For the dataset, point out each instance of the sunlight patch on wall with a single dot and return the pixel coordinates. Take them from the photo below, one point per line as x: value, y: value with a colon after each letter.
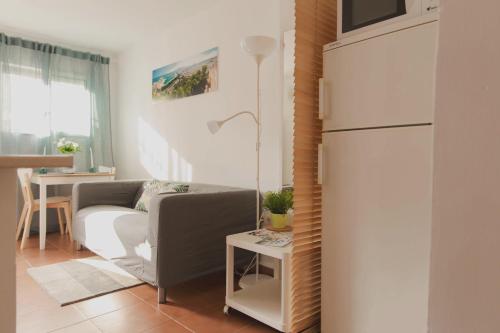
x: 153, y: 150
x: 159, y: 159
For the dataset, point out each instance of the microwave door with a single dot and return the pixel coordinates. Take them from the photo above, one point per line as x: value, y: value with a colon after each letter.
x: 357, y: 14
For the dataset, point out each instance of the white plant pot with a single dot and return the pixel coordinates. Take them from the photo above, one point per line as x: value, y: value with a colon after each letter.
x: 68, y: 170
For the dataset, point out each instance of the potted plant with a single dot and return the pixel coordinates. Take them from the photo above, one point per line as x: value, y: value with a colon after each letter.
x: 65, y: 146
x: 278, y: 203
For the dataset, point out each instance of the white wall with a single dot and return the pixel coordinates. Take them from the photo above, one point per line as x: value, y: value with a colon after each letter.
x: 465, y: 269
x: 169, y: 139
x: 288, y: 104
x: 288, y: 80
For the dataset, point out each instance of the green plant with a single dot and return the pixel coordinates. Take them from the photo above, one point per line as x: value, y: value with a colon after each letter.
x: 278, y: 202
x: 67, y: 147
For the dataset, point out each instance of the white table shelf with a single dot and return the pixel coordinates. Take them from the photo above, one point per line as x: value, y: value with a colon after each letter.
x: 268, y: 300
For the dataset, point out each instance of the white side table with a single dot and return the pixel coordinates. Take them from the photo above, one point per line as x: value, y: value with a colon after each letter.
x: 268, y: 301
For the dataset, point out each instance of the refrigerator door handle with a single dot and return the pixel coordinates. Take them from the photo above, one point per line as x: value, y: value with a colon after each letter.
x: 320, y: 164
x: 321, y: 94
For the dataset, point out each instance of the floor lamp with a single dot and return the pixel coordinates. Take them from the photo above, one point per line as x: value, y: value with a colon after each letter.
x: 258, y: 47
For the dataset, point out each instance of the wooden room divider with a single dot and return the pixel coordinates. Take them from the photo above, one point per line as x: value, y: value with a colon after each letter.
x: 315, y: 25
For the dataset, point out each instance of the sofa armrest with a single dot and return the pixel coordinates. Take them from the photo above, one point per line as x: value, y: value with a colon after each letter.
x: 190, y: 229
x: 116, y: 193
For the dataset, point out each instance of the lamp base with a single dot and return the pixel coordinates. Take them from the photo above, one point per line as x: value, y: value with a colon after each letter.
x: 250, y: 280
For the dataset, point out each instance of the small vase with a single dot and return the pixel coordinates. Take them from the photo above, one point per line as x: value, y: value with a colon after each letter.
x: 68, y: 170
x: 279, y: 221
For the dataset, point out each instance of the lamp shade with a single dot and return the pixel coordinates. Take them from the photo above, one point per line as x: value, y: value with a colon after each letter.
x: 258, y: 46
x: 214, y: 126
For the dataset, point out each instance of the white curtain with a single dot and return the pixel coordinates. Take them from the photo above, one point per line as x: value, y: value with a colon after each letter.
x: 48, y: 92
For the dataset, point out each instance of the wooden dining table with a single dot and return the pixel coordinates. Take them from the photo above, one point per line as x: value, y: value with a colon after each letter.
x: 51, y: 178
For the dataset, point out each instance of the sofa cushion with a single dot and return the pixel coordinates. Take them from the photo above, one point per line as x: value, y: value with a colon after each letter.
x: 112, y: 231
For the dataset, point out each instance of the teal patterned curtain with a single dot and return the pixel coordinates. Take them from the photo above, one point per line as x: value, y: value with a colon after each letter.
x: 49, y: 92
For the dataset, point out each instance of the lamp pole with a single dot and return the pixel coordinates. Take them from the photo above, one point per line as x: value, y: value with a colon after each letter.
x: 259, y: 47
x: 258, y: 145
x: 258, y: 60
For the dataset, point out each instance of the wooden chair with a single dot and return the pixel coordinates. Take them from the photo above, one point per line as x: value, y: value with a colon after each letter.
x: 31, y: 205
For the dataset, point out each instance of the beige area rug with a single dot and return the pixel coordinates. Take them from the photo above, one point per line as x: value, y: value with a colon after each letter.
x: 80, y: 279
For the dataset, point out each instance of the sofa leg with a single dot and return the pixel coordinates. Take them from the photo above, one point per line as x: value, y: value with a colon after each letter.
x: 78, y: 246
x: 162, y: 295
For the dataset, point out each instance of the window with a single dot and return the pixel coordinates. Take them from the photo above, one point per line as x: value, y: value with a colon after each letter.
x: 37, y: 108
x: 29, y: 101
x: 49, y: 92
x: 71, y: 108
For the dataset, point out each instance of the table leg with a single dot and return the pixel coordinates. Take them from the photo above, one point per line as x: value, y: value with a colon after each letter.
x: 229, y: 275
x: 229, y: 271
x: 43, y: 215
x: 276, y: 269
x: 285, y: 292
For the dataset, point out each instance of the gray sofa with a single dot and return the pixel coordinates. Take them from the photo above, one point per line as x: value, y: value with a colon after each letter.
x: 180, y: 238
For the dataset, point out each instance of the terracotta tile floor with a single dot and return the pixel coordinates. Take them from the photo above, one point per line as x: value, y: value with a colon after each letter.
x: 195, y: 306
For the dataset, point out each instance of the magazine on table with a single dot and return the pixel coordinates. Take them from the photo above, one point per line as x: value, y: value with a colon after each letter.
x: 272, y: 238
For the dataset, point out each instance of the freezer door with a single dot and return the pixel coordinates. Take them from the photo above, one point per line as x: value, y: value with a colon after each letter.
x: 383, y: 81
x: 376, y: 236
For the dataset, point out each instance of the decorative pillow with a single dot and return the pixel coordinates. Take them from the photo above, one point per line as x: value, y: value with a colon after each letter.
x: 181, y: 188
x: 138, y: 195
x: 155, y: 187
x: 175, y: 188
x: 149, y: 189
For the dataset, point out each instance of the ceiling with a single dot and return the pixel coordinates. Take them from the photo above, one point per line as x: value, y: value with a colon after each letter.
x: 107, y: 25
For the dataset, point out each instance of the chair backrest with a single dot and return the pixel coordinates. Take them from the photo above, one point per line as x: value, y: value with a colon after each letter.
x: 24, y: 176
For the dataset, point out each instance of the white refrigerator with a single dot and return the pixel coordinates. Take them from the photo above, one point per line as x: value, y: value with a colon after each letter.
x: 377, y: 104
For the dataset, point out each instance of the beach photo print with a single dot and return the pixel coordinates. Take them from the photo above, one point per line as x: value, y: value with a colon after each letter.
x: 192, y: 76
